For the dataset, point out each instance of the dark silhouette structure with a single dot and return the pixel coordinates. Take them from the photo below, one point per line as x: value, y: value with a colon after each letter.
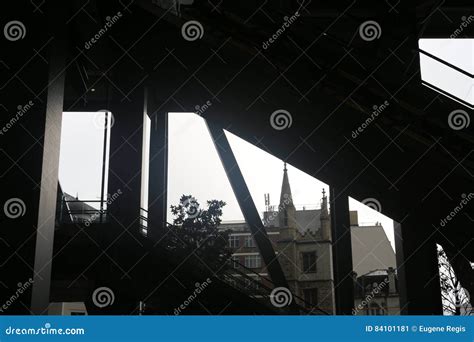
x: 253, y: 61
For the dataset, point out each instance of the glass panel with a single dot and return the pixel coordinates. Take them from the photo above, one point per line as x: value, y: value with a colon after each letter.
x: 448, y: 79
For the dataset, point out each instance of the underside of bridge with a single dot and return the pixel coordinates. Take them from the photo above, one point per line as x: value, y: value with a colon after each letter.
x: 309, y: 61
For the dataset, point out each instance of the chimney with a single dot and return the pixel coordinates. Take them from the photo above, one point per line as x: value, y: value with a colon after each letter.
x: 354, y: 218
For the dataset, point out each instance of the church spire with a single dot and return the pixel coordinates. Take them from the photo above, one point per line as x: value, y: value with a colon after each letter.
x: 285, y: 196
x: 287, y: 211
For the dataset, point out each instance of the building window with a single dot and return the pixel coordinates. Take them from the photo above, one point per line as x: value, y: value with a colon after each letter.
x: 249, y: 241
x: 253, y: 261
x: 233, y: 241
x: 310, y: 297
x: 235, y: 262
x: 309, y: 262
x: 376, y: 310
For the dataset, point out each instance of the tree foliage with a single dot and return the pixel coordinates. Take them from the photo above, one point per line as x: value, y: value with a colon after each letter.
x: 454, y: 297
x: 195, y: 230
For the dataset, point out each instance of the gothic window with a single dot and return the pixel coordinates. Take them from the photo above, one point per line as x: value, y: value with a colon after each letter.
x: 309, y: 262
x: 310, y: 297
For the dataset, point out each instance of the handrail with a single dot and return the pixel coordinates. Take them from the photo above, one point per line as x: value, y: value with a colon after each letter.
x: 82, y: 201
x: 251, y: 270
x: 260, y: 285
x: 263, y: 285
x: 89, y: 215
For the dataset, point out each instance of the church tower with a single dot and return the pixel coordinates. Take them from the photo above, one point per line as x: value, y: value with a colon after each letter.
x: 286, y: 208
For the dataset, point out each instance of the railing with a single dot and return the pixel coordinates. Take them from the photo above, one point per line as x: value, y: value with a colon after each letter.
x: 369, y: 224
x: 237, y: 270
x: 87, y: 215
x: 299, y: 207
x: 245, y: 280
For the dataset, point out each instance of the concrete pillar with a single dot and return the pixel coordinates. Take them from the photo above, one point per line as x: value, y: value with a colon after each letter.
x: 31, y: 96
x: 49, y: 182
x: 417, y: 263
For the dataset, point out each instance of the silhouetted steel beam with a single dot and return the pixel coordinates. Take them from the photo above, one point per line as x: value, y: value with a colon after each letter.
x: 342, y: 252
x: 158, y: 181
x: 247, y: 205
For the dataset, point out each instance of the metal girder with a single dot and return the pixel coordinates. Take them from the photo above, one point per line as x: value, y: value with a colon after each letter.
x: 342, y: 252
x: 249, y: 210
x: 158, y: 165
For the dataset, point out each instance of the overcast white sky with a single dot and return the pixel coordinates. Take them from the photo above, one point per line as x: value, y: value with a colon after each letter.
x: 80, y: 161
x: 194, y: 168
